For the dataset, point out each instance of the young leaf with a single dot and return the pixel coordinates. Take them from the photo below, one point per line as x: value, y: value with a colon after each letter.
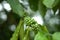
x: 16, y: 7
x: 50, y: 3
x: 40, y: 36
x: 56, y: 36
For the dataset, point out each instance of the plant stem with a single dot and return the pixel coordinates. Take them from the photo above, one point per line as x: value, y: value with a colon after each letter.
x: 15, y: 34
x: 21, y: 31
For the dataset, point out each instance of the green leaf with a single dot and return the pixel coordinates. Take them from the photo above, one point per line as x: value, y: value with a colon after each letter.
x: 40, y: 36
x: 16, y: 7
x: 50, y: 3
x: 33, y: 4
x: 42, y: 8
x: 56, y: 36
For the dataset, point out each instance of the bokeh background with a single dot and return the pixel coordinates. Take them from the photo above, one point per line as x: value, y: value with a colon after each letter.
x: 9, y: 20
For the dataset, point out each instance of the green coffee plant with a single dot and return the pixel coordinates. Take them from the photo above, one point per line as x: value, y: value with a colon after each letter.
x: 41, y: 32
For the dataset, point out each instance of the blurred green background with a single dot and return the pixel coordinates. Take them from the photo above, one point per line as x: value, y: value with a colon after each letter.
x: 9, y: 19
